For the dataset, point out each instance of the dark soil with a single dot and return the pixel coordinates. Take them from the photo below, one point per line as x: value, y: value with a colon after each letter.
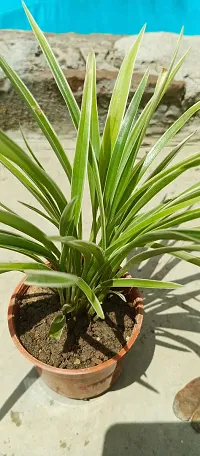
x: 84, y: 343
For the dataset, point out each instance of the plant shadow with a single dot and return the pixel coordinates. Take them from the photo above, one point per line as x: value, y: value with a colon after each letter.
x: 165, y: 311
x: 115, y: 312
x: 36, y: 306
x: 23, y: 386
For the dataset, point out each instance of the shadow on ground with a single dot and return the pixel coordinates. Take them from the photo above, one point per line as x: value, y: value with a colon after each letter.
x: 151, y: 439
x: 23, y: 386
x: 158, y: 327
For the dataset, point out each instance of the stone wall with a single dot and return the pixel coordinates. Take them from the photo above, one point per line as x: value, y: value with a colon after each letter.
x: 24, y: 55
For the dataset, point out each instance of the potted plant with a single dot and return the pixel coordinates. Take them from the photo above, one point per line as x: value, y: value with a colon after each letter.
x: 78, y: 312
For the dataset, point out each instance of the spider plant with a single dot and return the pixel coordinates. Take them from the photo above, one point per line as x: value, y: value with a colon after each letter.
x: 84, y: 271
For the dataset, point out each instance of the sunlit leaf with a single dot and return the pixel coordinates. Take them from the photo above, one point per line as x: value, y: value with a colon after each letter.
x: 117, y: 106
x: 57, y: 327
x: 82, y: 144
x: 51, y: 279
x: 143, y: 283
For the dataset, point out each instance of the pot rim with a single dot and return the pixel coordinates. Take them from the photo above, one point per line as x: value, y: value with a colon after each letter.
x: 22, y: 288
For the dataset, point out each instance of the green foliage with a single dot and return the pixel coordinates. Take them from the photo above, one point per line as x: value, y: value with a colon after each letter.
x: 57, y: 327
x: 85, y: 271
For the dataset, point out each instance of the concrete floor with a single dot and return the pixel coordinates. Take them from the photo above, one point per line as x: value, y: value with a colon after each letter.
x: 135, y: 418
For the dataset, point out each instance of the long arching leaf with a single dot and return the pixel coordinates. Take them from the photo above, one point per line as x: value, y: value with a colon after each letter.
x: 50, y: 209
x: 84, y: 247
x: 38, y: 114
x: 66, y: 217
x: 35, y: 209
x: 92, y: 298
x: 181, y: 255
x: 167, y: 136
x: 43, y: 181
x: 55, y: 68
x: 117, y: 107
x: 82, y: 144
x: 62, y: 280
x: 22, y: 245
x: 138, y: 258
x: 27, y: 228
x: 151, y: 188
x: 143, y: 283
x: 147, y: 223
x: 8, y: 267
x: 29, y: 148
x: 127, y: 123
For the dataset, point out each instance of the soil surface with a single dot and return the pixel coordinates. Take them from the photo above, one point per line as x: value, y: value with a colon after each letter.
x: 84, y: 343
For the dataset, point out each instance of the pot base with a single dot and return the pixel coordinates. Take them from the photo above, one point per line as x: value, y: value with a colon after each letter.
x: 80, y: 389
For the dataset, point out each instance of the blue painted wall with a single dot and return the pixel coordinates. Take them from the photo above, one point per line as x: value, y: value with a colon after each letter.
x: 104, y: 16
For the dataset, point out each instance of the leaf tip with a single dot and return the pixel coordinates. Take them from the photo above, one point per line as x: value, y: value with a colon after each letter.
x: 176, y: 285
x: 24, y: 5
x: 143, y: 29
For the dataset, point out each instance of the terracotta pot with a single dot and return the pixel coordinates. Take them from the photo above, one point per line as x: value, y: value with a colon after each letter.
x: 78, y: 383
